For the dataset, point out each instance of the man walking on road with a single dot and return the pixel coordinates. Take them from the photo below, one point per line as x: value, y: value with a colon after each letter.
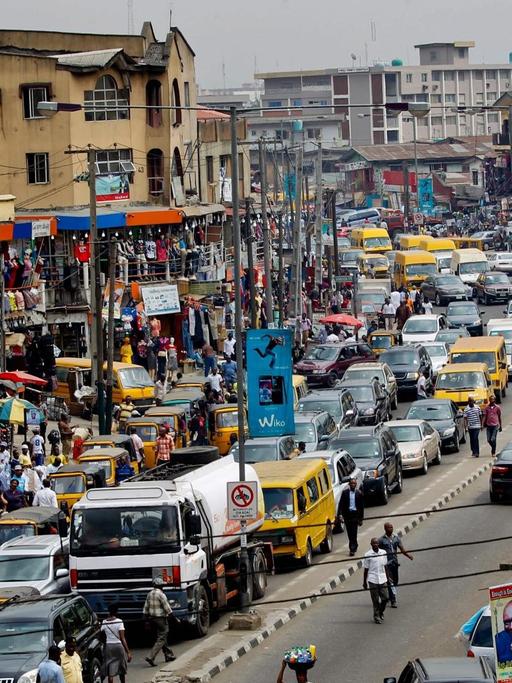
x: 473, y: 421
x: 376, y: 578
x: 352, y: 511
x: 392, y: 543
x: 157, y: 610
x: 492, y: 421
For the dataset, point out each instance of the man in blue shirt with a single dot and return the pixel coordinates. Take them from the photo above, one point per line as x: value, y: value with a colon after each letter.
x: 50, y: 670
x: 504, y: 638
x: 229, y: 371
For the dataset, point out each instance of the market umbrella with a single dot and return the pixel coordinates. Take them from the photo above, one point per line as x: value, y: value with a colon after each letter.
x: 341, y: 319
x: 13, y: 410
x: 23, y: 378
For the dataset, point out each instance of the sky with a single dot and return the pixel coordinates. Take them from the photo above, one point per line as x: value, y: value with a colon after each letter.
x: 233, y: 38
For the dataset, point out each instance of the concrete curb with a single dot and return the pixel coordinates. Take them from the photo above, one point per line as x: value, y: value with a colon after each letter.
x: 247, y: 643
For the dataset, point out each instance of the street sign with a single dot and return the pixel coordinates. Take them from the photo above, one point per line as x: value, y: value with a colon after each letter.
x: 418, y: 219
x: 242, y: 500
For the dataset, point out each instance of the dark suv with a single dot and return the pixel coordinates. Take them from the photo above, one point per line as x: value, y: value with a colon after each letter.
x: 372, y: 399
x: 34, y: 624
x: 446, y: 670
x: 339, y: 403
x: 326, y: 363
x: 375, y: 450
x: 407, y: 363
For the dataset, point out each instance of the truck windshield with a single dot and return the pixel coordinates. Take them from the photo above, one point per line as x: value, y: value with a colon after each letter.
x: 127, y: 530
x: 135, y: 378
x: 278, y: 503
x: 71, y: 484
x: 473, y: 267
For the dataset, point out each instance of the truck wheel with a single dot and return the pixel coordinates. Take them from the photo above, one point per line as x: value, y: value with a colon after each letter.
x: 202, y: 617
x: 307, y: 560
x: 327, y: 544
x: 259, y: 576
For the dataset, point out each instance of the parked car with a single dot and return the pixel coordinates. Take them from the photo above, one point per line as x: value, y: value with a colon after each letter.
x: 446, y: 670
x: 450, y: 336
x: 492, y: 287
x: 444, y: 287
x: 337, y: 402
x: 444, y: 416
x: 380, y: 371
x: 407, y: 363
x: 40, y: 562
x: 326, y: 363
x: 420, y: 328
x: 419, y: 443
x: 465, y: 314
x: 480, y: 642
x: 315, y: 430
x: 51, y: 620
x: 500, y: 260
x: 375, y: 450
x: 373, y: 401
x: 342, y: 468
x: 500, y: 481
x: 266, y: 448
x: 438, y: 354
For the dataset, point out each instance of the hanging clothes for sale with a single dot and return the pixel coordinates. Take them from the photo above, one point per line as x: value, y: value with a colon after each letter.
x: 198, y: 336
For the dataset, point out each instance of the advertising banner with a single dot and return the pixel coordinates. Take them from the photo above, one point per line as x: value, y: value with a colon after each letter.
x: 119, y: 287
x: 112, y: 188
x: 426, y: 193
x: 500, y: 601
x: 269, y: 382
x: 161, y: 300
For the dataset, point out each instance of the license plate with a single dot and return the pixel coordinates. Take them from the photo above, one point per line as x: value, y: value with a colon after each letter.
x: 459, y: 297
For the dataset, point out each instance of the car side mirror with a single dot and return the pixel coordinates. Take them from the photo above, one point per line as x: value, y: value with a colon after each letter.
x: 194, y: 525
x: 62, y: 526
x: 324, y: 438
x: 390, y: 679
x: 349, y: 413
x: 61, y: 573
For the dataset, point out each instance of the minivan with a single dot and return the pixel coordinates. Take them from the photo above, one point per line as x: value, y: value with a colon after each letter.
x: 326, y: 363
x: 488, y: 350
x: 371, y: 239
x: 468, y: 264
x: 299, y: 508
x: 413, y: 267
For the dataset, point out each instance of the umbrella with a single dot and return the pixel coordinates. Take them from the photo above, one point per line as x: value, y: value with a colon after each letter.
x: 342, y: 319
x: 23, y: 378
x: 13, y: 410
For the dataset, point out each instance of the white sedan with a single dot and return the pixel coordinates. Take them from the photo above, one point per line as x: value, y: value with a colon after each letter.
x: 422, y: 328
x: 501, y: 261
x: 419, y: 443
x: 438, y: 352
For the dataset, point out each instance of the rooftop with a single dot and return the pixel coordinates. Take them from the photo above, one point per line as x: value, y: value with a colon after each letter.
x: 458, y: 149
x: 456, y: 43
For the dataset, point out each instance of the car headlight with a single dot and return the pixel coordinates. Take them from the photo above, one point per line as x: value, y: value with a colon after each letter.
x: 173, y: 603
x: 488, y: 291
x: 29, y: 677
x: 371, y: 474
x: 412, y: 375
x: 369, y: 411
x: 476, y: 322
x: 287, y: 540
x: 449, y: 432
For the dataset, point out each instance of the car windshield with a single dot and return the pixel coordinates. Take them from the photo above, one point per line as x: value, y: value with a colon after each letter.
x: 507, y: 334
x: 278, y: 503
x: 420, y: 269
x: 422, y: 411
x: 227, y: 419
x: 381, y: 341
x: 374, y: 242
x: 135, y: 378
x: 461, y: 381
x: 322, y: 353
x: 405, y: 434
x: 463, y: 309
x: 365, y: 373
x: 496, y: 278
x: 102, y: 464
x: 378, y: 261
x: 350, y: 256
x: 145, y: 432
x: 256, y: 452
x: 130, y: 530
x: 332, y: 406
x: 451, y: 336
x: 445, y: 262
x: 304, y: 431
x: 447, y: 279
x: 475, y: 357
x: 24, y: 568
x: 24, y: 637
x: 401, y: 358
x: 362, y: 448
x: 371, y: 297
x: 435, y: 350
x: 473, y: 267
x: 420, y: 326
x: 68, y: 484
x: 361, y: 394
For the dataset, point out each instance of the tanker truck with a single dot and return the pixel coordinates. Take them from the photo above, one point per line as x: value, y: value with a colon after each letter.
x: 168, y: 522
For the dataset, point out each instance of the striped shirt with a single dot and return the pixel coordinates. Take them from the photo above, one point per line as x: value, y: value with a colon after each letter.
x: 472, y: 415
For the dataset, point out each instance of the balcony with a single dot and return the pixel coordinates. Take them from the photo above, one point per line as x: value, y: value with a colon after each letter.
x: 500, y: 140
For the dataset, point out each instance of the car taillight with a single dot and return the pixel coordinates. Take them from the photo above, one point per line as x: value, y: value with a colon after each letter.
x: 172, y: 575
x: 73, y: 578
x: 498, y: 469
x: 470, y: 653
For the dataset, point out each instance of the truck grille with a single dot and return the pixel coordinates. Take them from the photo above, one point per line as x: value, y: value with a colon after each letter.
x: 400, y: 375
x: 109, y: 574
x: 6, y: 680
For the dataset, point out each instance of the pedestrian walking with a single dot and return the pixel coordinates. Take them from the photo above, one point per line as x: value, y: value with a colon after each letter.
x: 301, y: 674
x: 492, y: 422
x: 402, y: 315
x: 117, y: 654
x: 126, y: 409
x: 392, y: 543
x: 71, y: 662
x: 305, y: 329
x: 352, y: 511
x: 45, y: 496
x: 375, y: 565
x: 66, y: 434
x: 421, y: 385
x: 157, y: 610
x: 50, y: 671
x: 164, y: 446
x: 473, y: 422
x: 388, y: 311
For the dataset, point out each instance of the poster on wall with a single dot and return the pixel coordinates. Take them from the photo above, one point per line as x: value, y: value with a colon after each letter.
x: 112, y: 188
x: 269, y: 382
x: 161, y: 300
x: 119, y: 287
x: 500, y: 602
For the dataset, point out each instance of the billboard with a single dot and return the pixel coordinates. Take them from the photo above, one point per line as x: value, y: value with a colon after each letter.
x: 500, y: 601
x: 161, y: 300
x: 112, y: 188
x: 426, y: 195
x: 269, y: 382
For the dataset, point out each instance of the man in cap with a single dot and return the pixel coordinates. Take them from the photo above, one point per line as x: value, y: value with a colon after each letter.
x: 157, y: 610
x: 24, y: 457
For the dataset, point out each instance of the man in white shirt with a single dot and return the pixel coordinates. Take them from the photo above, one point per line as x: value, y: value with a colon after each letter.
x: 395, y: 298
x: 421, y: 385
x: 376, y: 578
x: 332, y: 338
x: 46, y: 496
x: 138, y: 444
x: 37, y: 443
x: 388, y: 311
x: 214, y: 379
x: 229, y: 346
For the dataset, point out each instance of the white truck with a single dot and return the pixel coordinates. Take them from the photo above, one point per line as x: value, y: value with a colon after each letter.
x: 169, y: 522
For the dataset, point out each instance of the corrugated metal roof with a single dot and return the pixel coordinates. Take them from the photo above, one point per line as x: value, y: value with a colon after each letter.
x: 92, y: 59
x: 474, y: 147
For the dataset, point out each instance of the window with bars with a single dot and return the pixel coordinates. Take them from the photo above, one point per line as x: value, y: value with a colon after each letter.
x: 32, y: 95
x: 106, y: 102
x: 111, y: 161
x: 38, y: 168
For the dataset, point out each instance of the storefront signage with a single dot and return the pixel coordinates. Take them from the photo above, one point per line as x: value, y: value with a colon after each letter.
x: 161, y: 300
x: 41, y: 229
x: 269, y: 382
x: 500, y: 602
x: 112, y: 188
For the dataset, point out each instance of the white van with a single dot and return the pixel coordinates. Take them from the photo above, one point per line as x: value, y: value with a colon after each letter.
x: 468, y: 264
x: 503, y: 327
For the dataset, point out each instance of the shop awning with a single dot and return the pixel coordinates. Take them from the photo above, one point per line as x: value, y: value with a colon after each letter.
x: 201, y: 210
x: 80, y: 221
x: 153, y: 216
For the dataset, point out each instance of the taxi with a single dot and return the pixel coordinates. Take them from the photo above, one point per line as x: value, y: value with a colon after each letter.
x: 459, y: 381
x: 382, y: 340
x: 32, y: 521
x: 376, y: 265
x: 223, y: 426
x: 71, y: 481
x: 108, y: 459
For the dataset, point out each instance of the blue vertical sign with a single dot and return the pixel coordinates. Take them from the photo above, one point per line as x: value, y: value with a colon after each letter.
x: 426, y: 195
x: 269, y: 382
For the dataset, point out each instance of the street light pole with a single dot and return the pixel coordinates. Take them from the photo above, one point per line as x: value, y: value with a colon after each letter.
x: 415, y: 137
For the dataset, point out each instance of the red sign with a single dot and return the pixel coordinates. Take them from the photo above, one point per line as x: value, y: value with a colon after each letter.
x: 242, y: 496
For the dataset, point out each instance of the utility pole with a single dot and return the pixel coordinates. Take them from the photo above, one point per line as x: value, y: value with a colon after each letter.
x: 296, y: 278
x: 335, y: 238
x: 250, y: 261
x: 291, y: 218
x: 308, y: 233
x: 280, y: 284
x: 415, y: 133
x: 407, y: 207
x: 267, y: 246
x: 276, y: 172
x: 318, y: 218
x: 112, y: 256
x: 2, y: 314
